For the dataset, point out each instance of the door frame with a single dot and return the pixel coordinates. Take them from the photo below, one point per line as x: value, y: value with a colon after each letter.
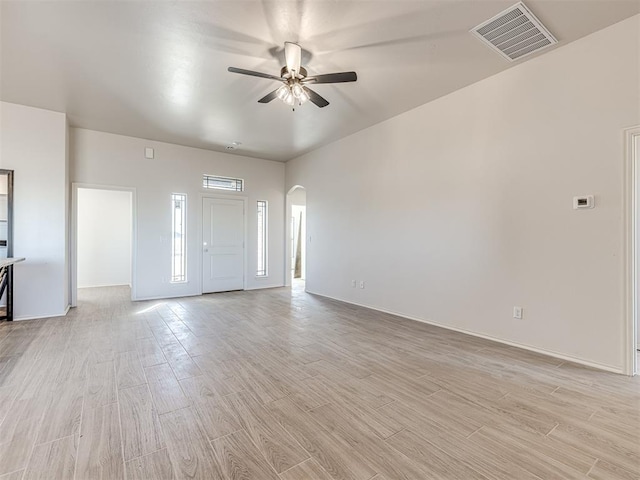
x: 73, y: 240
x: 199, y: 233
x: 632, y: 255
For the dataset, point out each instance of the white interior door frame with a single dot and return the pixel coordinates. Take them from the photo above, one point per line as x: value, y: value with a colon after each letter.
x: 632, y: 253
x: 199, y: 233
x: 73, y: 237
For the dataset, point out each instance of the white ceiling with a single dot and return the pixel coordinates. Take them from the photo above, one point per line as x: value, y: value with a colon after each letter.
x: 158, y: 69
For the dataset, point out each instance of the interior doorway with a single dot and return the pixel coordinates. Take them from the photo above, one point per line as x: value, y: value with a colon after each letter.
x: 636, y: 160
x: 103, y: 235
x: 297, y: 235
x: 6, y: 243
x: 632, y: 187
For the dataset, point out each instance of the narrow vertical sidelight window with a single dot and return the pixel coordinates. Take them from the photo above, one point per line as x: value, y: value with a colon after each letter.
x: 179, y: 238
x: 262, y: 239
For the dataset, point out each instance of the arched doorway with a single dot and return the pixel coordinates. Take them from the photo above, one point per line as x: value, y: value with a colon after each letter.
x: 296, y: 261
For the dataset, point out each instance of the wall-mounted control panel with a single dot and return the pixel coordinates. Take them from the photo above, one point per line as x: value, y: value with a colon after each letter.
x: 584, y: 201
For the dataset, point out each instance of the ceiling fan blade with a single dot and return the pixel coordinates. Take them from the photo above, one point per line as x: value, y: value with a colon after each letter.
x: 341, y: 77
x: 242, y: 71
x: 267, y: 98
x: 315, y: 98
x: 292, y: 56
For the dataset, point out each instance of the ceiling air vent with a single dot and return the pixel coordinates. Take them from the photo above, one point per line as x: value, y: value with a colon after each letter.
x: 515, y: 33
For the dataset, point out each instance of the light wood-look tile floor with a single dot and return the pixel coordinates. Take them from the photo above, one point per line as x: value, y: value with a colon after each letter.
x: 272, y: 385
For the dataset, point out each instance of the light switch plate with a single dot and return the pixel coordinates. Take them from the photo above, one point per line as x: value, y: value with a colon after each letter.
x: 584, y: 201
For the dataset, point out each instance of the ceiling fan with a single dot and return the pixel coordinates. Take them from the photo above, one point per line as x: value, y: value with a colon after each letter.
x: 294, y: 90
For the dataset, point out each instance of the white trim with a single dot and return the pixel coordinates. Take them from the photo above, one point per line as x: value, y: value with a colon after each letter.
x: 542, y: 351
x: 185, y: 256
x: 55, y: 315
x: 631, y: 190
x: 264, y: 287
x: 166, y: 297
x: 73, y: 240
x: 222, y: 196
x: 265, y: 232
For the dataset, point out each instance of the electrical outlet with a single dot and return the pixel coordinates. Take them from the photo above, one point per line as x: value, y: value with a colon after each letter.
x: 517, y: 312
x: 361, y: 283
x: 353, y: 283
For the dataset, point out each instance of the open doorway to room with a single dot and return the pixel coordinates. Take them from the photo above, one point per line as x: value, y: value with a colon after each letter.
x: 6, y: 244
x: 633, y: 165
x: 103, y: 244
x: 297, y: 245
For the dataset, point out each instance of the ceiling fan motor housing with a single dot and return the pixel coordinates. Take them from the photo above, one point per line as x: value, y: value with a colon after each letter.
x: 284, y: 73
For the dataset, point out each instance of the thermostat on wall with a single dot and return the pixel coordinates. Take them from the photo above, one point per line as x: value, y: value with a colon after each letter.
x: 148, y: 152
x: 585, y: 201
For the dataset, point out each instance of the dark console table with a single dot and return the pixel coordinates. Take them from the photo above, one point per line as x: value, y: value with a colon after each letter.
x: 6, y: 284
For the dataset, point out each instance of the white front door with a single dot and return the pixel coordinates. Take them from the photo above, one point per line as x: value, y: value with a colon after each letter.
x: 223, y: 245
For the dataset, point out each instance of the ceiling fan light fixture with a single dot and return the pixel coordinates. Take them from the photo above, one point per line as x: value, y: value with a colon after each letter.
x: 283, y: 92
x: 303, y: 98
x: 297, y: 90
x: 290, y: 99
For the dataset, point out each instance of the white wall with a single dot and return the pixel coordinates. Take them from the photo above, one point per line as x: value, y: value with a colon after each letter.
x: 104, y: 237
x: 458, y: 210
x: 116, y: 160
x: 32, y: 143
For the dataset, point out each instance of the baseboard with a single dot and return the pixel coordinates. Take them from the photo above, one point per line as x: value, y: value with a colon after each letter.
x: 165, y: 297
x: 263, y: 287
x: 38, y: 317
x: 549, y: 353
x: 107, y: 285
x: 142, y: 299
